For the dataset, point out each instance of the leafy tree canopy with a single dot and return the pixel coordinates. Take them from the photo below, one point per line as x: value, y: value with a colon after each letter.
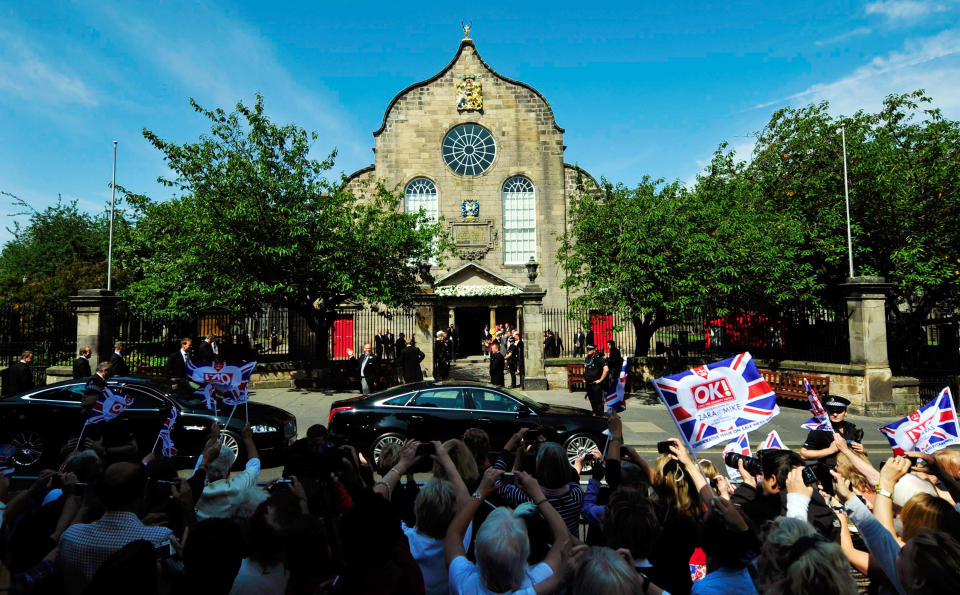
x: 59, y: 250
x: 254, y: 222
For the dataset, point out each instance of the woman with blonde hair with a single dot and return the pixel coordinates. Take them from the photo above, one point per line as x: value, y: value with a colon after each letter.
x: 463, y: 460
x: 924, y: 511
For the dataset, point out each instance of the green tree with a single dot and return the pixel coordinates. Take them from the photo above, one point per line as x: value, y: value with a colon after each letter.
x: 256, y: 223
x: 660, y: 253
x: 59, y: 250
x: 904, y: 170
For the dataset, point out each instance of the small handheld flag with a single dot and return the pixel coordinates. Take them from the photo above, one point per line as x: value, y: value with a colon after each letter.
x: 740, y: 446
x: 820, y: 419
x: 773, y: 441
x: 108, y: 406
x: 7, y: 465
x: 928, y: 429
x: 714, y: 403
x: 614, y: 399
x: 167, y: 449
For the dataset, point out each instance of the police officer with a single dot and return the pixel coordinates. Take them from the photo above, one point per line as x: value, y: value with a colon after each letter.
x: 820, y: 446
x: 595, y: 371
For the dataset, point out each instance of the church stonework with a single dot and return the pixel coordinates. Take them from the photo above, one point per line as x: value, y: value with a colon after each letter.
x: 419, y: 138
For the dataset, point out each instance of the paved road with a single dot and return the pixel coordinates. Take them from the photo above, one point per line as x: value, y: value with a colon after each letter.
x: 645, y: 421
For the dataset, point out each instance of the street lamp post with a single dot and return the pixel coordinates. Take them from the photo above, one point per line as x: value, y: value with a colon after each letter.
x: 113, y: 194
x: 846, y: 194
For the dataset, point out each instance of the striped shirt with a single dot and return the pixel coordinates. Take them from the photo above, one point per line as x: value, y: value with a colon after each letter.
x: 567, y: 500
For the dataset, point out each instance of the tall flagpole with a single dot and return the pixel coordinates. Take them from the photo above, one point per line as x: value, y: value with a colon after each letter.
x: 113, y: 194
x: 846, y: 194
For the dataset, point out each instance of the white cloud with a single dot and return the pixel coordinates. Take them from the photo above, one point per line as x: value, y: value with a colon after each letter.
x: 931, y: 63
x: 901, y: 10
x: 859, y: 31
x: 228, y: 62
x: 24, y: 73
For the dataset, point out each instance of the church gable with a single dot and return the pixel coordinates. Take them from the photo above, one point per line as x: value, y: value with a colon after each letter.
x: 467, y: 85
x: 474, y: 275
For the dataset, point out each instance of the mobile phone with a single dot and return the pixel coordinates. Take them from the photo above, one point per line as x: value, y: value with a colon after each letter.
x: 426, y: 449
x: 531, y: 436
x: 809, y: 476
x: 509, y: 478
x: 663, y: 447
x: 163, y: 550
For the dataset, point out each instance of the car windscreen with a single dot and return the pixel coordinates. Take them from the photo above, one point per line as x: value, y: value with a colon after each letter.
x: 524, y: 399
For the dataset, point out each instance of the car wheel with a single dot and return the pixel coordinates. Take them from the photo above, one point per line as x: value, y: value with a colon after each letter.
x: 232, y: 441
x: 382, y: 442
x: 579, y: 444
x: 30, y: 448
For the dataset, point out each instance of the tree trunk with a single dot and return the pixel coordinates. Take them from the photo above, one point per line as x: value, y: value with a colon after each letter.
x: 318, y: 321
x: 644, y: 326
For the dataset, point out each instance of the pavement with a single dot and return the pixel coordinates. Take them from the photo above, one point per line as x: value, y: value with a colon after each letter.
x: 645, y: 421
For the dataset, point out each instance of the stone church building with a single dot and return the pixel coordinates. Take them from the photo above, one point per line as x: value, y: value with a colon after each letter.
x: 485, y: 153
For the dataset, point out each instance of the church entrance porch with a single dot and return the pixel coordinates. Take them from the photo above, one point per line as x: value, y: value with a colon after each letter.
x: 470, y: 320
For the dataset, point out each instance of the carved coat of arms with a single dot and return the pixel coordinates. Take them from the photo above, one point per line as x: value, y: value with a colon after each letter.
x: 469, y: 94
x: 470, y: 209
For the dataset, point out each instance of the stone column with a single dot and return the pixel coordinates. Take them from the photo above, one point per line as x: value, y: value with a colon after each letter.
x: 95, y: 322
x: 867, y: 325
x: 493, y: 319
x: 532, y: 317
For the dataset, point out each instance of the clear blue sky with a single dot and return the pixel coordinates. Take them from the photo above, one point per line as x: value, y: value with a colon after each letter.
x: 639, y: 89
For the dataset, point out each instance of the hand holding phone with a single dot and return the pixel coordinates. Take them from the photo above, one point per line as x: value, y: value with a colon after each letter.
x: 425, y: 449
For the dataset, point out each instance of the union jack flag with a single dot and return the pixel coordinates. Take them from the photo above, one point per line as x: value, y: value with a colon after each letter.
x: 713, y: 403
x: 740, y: 446
x: 614, y: 399
x: 773, y: 441
x: 108, y: 406
x: 232, y: 381
x: 167, y: 448
x: 928, y: 429
x: 820, y: 419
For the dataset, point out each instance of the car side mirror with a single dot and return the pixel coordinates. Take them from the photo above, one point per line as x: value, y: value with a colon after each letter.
x: 523, y: 411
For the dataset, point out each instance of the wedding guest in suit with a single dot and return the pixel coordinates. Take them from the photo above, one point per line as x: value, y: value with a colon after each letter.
x: 177, y: 362
x: 579, y: 340
x: 410, y: 358
x: 19, y: 375
x: 378, y: 341
x: 208, y: 350
x: 496, y: 365
x: 485, y: 340
x: 81, y: 365
x: 118, y: 364
x: 367, y: 366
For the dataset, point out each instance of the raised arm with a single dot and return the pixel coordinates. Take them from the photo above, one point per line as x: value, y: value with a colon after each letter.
x: 405, y: 461
x: 453, y: 542
x: 862, y: 466
x: 453, y: 476
x: 679, y: 452
x: 893, y: 470
x: 561, y: 535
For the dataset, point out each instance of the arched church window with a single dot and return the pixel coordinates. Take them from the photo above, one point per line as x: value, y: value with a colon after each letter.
x: 469, y: 149
x: 519, y: 221
x: 421, y: 194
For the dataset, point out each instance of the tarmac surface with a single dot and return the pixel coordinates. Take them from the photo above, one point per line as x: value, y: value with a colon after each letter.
x: 645, y: 421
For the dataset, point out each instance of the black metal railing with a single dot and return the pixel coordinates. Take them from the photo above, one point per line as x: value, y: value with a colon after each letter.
x: 50, y: 334
x: 811, y: 334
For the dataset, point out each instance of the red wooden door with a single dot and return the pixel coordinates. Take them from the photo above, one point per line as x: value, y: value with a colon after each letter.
x: 602, y: 325
x: 342, y: 335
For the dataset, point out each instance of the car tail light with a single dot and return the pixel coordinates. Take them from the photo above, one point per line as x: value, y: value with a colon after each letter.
x: 336, y: 411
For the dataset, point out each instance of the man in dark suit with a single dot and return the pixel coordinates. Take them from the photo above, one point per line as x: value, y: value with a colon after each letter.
x: 367, y: 366
x: 378, y: 340
x: 496, y: 365
x: 520, y: 362
x: 579, y: 340
x: 98, y: 381
x: 81, y: 365
x: 118, y: 365
x: 589, y: 339
x: 410, y: 358
x: 19, y: 375
x: 208, y: 350
x: 177, y: 362
x: 390, y: 344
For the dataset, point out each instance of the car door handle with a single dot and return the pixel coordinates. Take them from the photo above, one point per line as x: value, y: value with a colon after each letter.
x: 416, y: 418
x: 484, y: 420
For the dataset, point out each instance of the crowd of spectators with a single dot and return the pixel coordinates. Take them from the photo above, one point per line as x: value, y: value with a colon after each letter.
x: 513, y: 520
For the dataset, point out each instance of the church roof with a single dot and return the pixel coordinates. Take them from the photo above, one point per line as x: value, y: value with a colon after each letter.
x: 463, y: 44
